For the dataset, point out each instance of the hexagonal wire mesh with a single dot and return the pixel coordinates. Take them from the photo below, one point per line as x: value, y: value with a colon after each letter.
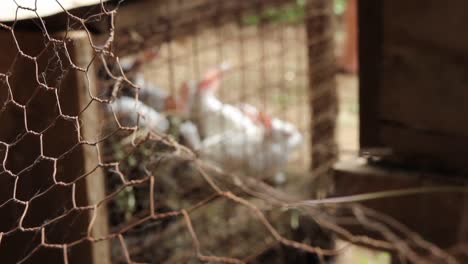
x: 193, y: 149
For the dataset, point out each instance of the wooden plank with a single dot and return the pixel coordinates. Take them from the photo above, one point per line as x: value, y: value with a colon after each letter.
x: 62, y: 21
x: 421, y: 213
x: 322, y: 86
x: 426, y: 59
x: 370, y: 21
x: 424, y: 149
x: 429, y: 23
x: 44, y: 8
x: 423, y: 87
x: 163, y: 20
x: 412, y: 87
x: 82, y: 53
x: 50, y: 138
x: 463, y: 228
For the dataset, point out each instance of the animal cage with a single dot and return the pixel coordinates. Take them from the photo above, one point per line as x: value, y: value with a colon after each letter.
x: 267, y: 70
x: 150, y: 123
x: 264, y: 45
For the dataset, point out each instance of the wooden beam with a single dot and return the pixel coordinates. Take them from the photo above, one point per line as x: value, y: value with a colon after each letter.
x: 91, y: 119
x: 161, y: 20
x: 421, y: 212
x: 43, y: 146
x: 164, y: 20
x: 412, y: 82
x: 322, y: 86
x: 370, y: 23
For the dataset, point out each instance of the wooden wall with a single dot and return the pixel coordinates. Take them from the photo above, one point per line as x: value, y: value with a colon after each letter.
x: 42, y: 147
x: 414, y: 65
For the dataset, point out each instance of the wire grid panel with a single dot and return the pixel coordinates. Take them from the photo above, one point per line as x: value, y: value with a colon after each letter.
x: 82, y: 184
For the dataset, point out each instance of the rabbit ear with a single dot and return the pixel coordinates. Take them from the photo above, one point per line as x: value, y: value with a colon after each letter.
x: 184, y: 95
x: 212, y: 79
x: 250, y: 111
x: 257, y: 116
x: 146, y: 56
x: 184, y: 91
x: 171, y: 103
x: 265, y: 120
x: 150, y: 55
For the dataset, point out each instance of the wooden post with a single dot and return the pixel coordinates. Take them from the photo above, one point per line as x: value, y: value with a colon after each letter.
x: 322, y: 95
x: 463, y: 228
x: 370, y: 21
x: 91, y: 119
x: 40, y: 145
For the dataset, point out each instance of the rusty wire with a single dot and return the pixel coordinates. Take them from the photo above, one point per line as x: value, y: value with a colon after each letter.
x: 253, y: 195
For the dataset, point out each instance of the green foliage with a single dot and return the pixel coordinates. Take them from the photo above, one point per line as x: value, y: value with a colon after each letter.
x: 290, y: 14
x: 283, y: 100
x: 340, y: 6
x: 294, y: 219
x: 384, y: 257
x: 126, y: 202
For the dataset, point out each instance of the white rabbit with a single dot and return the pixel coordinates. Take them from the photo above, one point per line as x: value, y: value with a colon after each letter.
x: 190, y: 135
x: 210, y: 114
x: 263, y: 154
x: 127, y: 110
x: 150, y: 94
x: 131, y: 66
x: 234, y: 151
x: 277, y: 130
x: 283, y: 139
x: 237, y: 137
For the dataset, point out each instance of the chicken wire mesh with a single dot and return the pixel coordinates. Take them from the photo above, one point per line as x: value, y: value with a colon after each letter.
x: 109, y: 158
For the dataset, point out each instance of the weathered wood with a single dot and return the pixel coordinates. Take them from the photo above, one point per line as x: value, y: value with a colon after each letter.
x: 165, y: 20
x: 413, y: 81
x: 437, y: 217
x: 370, y: 62
x: 91, y: 119
x: 51, y: 136
x: 463, y: 229
x: 161, y: 20
x: 322, y: 87
x: 424, y: 149
x: 11, y: 9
